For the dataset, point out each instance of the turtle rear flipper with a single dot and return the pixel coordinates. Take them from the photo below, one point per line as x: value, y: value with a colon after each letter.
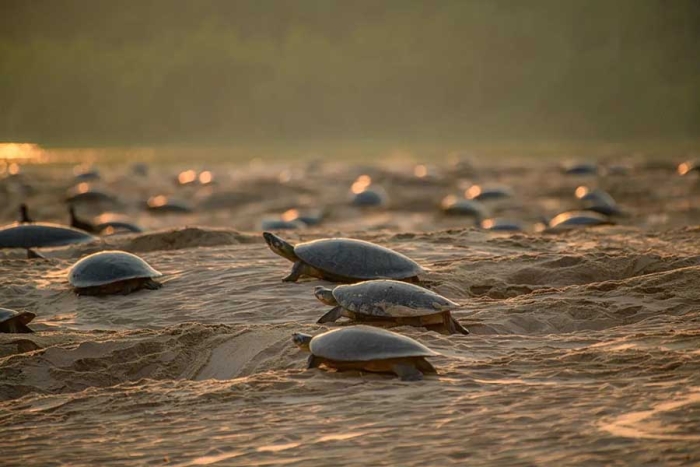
x: 407, y: 372
x: 453, y: 326
x: 425, y: 366
x: 32, y: 254
x: 332, y: 316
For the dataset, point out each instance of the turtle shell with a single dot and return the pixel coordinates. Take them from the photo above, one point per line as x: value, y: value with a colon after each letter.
x: 578, y: 218
x: 454, y: 206
x: 392, y: 299
x: 356, y: 259
x: 41, y: 235
x: 364, y: 343
x: 108, y: 267
x: 25, y: 317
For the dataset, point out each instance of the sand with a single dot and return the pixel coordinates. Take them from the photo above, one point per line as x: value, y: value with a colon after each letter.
x: 584, y: 345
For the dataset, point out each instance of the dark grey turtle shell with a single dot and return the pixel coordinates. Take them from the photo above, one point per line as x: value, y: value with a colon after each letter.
x: 364, y: 343
x: 369, y: 197
x: 580, y: 168
x: 454, y: 206
x: 498, y: 224
x: 578, y: 218
x: 486, y: 193
x: 108, y: 267
x: 41, y: 235
x: 167, y: 206
x: 356, y: 259
x: 391, y: 299
x: 75, y: 196
x: 25, y: 317
x: 121, y: 226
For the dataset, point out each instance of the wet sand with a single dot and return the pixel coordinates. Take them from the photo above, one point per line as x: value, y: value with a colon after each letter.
x: 584, y: 345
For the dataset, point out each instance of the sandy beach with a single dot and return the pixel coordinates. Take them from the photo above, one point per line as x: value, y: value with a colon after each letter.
x: 584, y: 345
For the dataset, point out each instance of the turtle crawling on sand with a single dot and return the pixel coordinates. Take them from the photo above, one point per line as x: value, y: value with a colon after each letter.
x: 365, y: 348
x: 387, y: 302
x: 112, y: 272
x: 343, y: 260
x: 15, y: 322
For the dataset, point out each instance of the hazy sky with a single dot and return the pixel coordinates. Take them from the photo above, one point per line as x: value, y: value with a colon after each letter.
x: 81, y: 72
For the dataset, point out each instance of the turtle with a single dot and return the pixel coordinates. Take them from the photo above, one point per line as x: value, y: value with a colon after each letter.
x: 14, y: 321
x: 85, y: 193
x: 367, y: 348
x: 343, y: 260
x: 580, y: 168
x: 162, y: 204
x: 572, y: 219
x: 499, y: 224
x: 369, y: 198
x: 41, y: 234
x: 597, y: 200
x: 390, y: 302
x: 488, y: 193
x: 112, y: 272
x: 453, y: 206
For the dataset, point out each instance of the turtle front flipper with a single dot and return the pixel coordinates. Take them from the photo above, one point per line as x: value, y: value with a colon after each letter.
x: 313, y: 362
x: 458, y: 328
x: 452, y: 325
x: 407, y: 372
x: 332, y: 316
x: 150, y: 284
x: 298, y: 270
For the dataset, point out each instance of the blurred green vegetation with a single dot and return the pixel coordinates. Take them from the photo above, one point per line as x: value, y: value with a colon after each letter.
x: 105, y: 72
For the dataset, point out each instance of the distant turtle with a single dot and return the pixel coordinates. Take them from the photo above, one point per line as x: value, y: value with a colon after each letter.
x: 116, y: 227
x: 573, y: 219
x: 453, y: 206
x: 106, y: 227
x: 390, y: 302
x: 580, y: 168
x: 89, y: 175
x: 112, y: 272
x: 370, y: 197
x: 15, y: 322
x: 39, y: 235
x: 488, y: 193
x: 498, y: 224
x: 84, y: 193
x: 365, y: 348
x: 162, y: 204
x: 343, y: 260
x: 597, y: 200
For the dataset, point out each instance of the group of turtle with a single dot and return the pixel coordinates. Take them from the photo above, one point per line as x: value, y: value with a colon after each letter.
x: 382, y: 293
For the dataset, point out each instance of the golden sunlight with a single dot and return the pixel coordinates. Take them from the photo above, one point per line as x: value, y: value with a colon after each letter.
x: 20, y: 151
x: 290, y: 215
x: 205, y: 177
x: 362, y: 182
x: 473, y: 192
x: 157, y: 201
x: 420, y: 171
x: 188, y: 176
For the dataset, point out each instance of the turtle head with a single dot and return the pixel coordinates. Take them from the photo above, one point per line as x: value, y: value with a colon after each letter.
x: 279, y: 246
x: 301, y: 340
x: 325, y: 295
